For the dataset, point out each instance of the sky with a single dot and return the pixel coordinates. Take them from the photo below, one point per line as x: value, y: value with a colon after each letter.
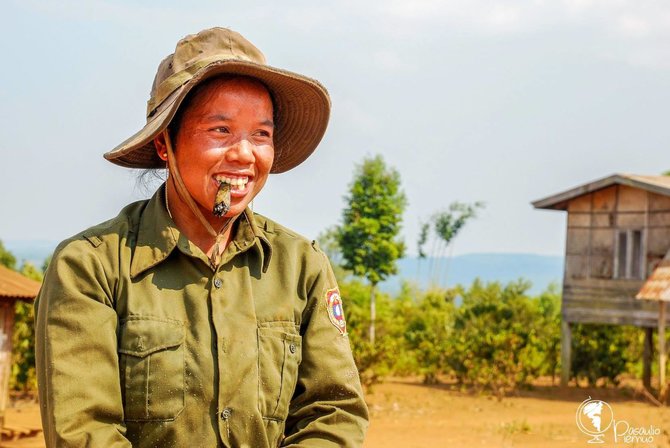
x: 504, y: 102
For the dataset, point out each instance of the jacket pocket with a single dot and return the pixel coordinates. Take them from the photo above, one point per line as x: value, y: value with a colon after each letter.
x: 279, y: 356
x: 152, y: 368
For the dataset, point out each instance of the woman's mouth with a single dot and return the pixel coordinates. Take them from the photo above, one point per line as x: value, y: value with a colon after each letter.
x: 237, y: 183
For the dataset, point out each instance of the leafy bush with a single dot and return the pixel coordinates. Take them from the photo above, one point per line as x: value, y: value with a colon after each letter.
x: 497, y: 343
x: 429, y: 328
x: 23, y: 376
x: 496, y: 339
x: 373, y: 360
x: 603, y: 352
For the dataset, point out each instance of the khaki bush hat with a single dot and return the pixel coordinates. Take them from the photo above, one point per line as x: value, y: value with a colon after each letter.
x: 302, y: 104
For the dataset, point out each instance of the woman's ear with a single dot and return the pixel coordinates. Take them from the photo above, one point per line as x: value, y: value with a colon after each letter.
x: 161, y: 147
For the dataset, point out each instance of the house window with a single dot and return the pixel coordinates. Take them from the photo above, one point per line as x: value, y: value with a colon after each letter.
x: 629, y: 254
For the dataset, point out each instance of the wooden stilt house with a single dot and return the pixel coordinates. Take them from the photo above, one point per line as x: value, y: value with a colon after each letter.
x: 618, y: 232
x: 13, y: 287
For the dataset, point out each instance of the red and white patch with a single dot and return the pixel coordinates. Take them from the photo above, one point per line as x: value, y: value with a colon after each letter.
x: 335, y: 310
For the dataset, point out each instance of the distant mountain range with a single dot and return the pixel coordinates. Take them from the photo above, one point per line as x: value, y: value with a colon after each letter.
x: 540, y: 270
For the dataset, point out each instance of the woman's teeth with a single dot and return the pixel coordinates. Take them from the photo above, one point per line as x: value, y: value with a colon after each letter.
x: 237, y: 183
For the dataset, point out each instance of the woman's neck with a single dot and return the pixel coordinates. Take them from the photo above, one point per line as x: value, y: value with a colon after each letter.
x: 190, y: 225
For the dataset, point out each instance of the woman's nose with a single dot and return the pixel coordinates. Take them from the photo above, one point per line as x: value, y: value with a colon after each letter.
x: 242, y: 152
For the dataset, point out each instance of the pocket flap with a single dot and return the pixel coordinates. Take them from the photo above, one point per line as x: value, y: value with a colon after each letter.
x: 143, y: 336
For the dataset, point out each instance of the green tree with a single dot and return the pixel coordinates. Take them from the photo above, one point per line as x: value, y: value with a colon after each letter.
x: 23, y: 356
x: 6, y: 257
x: 447, y: 225
x: 420, y: 245
x: 368, y: 236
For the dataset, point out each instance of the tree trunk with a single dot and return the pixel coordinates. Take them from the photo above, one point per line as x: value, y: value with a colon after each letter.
x: 373, y: 313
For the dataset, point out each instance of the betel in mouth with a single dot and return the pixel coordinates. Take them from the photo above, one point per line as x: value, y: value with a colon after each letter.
x: 222, y: 198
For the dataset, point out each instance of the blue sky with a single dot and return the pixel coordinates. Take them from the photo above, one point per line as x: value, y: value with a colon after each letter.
x: 503, y: 102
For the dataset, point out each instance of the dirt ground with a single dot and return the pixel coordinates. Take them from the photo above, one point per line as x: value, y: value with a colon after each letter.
x: 408, y: 414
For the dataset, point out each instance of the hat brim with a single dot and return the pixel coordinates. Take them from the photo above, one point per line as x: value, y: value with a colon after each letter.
x: 302, y: 110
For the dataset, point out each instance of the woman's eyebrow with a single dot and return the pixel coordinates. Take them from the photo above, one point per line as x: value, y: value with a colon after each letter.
x: 217, y: 117
x: 221, y: 117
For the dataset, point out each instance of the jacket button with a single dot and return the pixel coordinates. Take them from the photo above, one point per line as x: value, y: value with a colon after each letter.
x: 217, y: 283
x: 291, y: 347
x: 225, y: 414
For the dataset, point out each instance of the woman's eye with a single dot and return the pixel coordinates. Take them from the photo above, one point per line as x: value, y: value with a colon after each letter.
x: 263, y: 134
x: 221, y: 129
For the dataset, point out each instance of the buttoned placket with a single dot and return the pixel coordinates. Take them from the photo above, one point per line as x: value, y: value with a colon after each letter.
x: 227, y: 305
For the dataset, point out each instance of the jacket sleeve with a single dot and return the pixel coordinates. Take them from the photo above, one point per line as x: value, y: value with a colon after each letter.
x: 76, y: 358
x: 328, y: 408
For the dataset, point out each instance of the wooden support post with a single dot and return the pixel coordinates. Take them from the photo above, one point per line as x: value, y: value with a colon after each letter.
x: 662, y: 355
x: 566, y: 351
x: 647, y: 355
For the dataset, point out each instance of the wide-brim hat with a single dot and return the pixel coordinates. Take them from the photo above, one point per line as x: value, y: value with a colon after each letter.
x: 302, y: 104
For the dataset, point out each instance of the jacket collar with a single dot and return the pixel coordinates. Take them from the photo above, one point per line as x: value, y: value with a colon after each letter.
x: 157, y: 236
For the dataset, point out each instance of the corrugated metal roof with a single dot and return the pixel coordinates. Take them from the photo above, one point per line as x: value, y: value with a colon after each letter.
x: 16, y: 286
x: 656, y: 184
x: 657, y: 286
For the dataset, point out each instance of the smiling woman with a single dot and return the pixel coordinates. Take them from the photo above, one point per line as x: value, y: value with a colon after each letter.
x: 215, y: 149
x: 189, y: 320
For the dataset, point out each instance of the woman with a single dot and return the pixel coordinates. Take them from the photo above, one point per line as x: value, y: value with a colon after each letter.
x: 188, y: 320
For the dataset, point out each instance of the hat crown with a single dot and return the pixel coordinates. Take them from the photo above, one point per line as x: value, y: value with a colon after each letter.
x: 194, y: 52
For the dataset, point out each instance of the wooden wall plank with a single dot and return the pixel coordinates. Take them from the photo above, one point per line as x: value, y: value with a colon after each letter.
x: 605, y: 199
x: 658, y: 241
x: 631, y: 199
x: 631, y: 220
x: 580, y: 204
x: 576, y: 266
x: 577, y: 242
x: 579, y: 219
x: 658, y: 202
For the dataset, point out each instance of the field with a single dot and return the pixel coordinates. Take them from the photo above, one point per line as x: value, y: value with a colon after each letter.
x: 408, y: 414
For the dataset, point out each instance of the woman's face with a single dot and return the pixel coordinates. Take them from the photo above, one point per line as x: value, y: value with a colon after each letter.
x: 226, y: 134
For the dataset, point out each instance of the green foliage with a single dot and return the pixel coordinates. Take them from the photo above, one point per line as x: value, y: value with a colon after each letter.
x: 23, y: 337
x: 449, y: 223
x: 548, y: 336
x: 446, y: 226
x: 488, y: 337
x: 429, y: 330
x: 23, y: 375
x: 373, y: 360
x: 603, y: 352
x: 423, y: 239
x: 6, y: 257
x: 497, y: 341
x: 368, y: 237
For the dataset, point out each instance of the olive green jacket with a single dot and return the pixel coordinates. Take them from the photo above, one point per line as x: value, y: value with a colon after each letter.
x: 141, y: 343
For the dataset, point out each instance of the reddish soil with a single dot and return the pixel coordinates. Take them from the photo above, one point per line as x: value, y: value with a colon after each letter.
x: 408, y: 414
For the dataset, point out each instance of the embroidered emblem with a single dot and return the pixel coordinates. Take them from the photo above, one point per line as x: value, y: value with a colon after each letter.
x: 335, y: 311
